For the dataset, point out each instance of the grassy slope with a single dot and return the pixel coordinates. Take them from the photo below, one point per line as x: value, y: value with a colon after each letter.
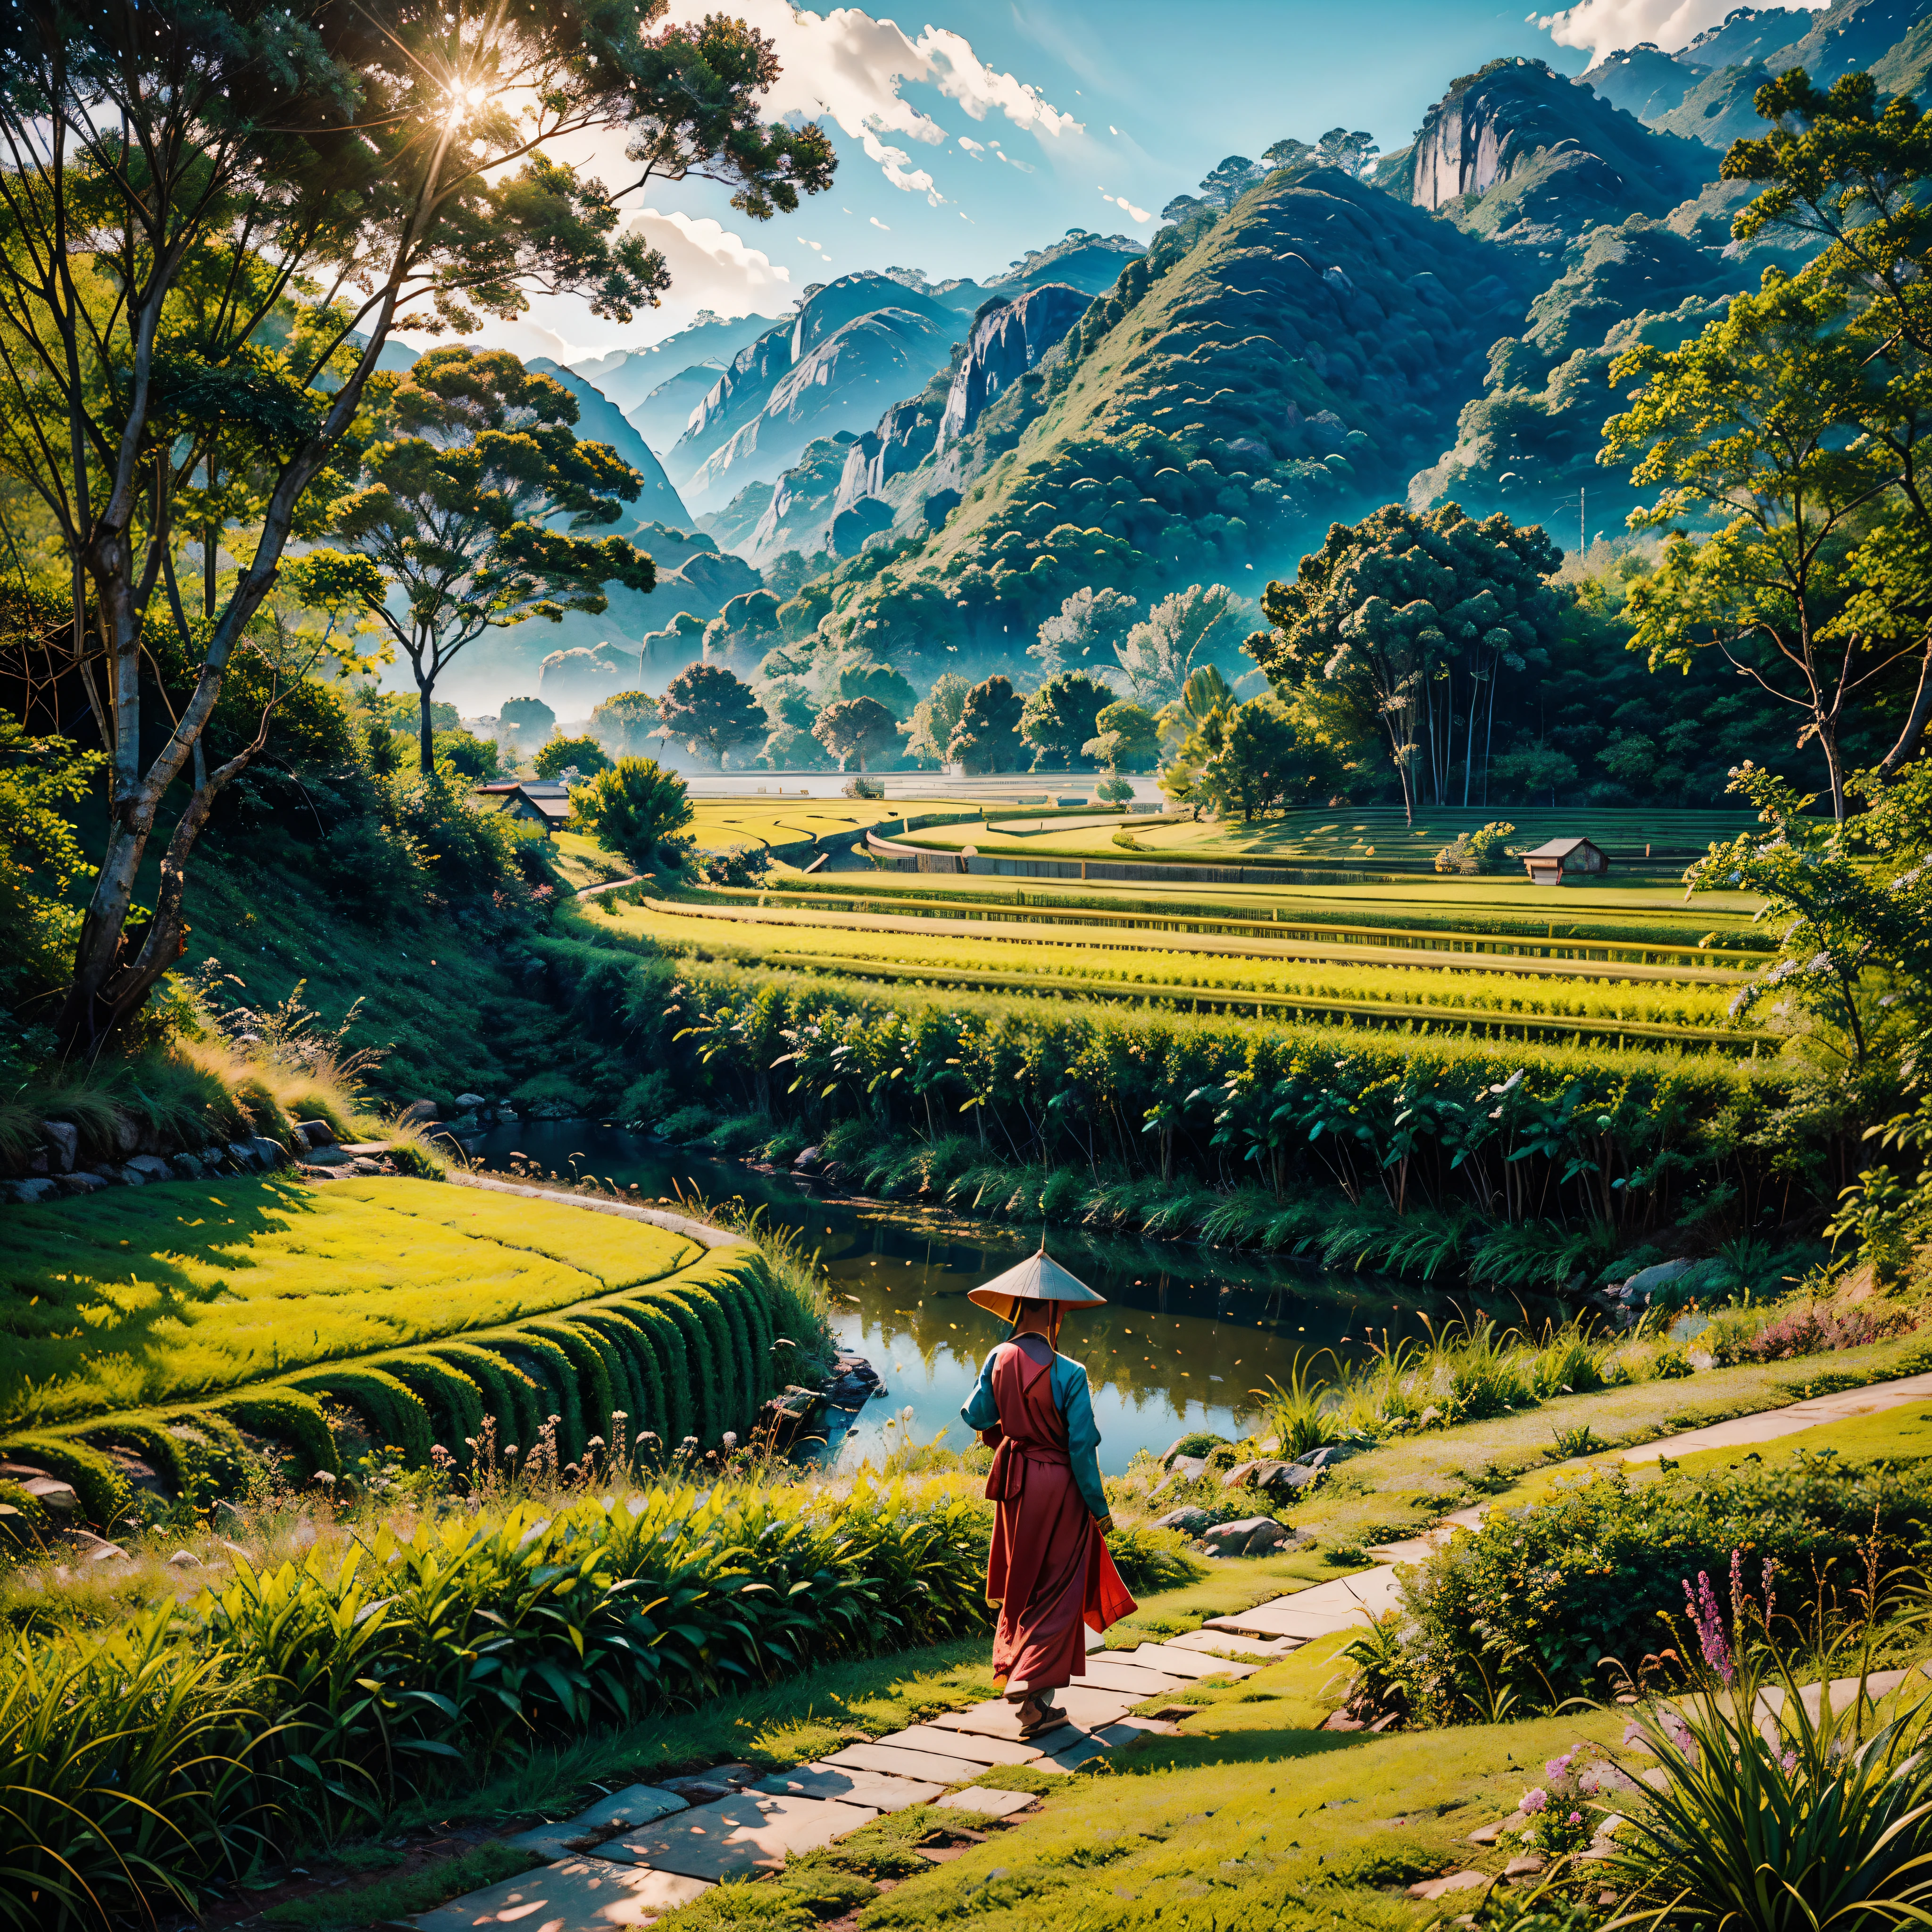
x: 179, y: 1290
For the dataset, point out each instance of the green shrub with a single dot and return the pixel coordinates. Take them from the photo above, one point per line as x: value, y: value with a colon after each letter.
x: 99, y: 1487
x: 687, y: 1123
x: 290, y: 1418
x: 395, y: 1414
x: 1566, y: 1597
x: 1154, y: 1559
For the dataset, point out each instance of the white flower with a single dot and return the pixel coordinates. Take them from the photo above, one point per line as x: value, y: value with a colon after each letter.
x: 1821, y: 962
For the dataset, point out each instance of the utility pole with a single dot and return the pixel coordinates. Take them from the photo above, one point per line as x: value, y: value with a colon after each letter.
x: 1583, y: 498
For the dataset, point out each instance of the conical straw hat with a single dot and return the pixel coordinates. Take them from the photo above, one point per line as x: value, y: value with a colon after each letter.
x: 1038, y: 1278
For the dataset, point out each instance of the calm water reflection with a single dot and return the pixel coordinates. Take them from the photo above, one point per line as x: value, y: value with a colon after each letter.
x: 1188, y: 1332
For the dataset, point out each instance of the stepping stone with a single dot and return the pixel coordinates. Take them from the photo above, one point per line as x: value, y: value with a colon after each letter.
x: 987, y: 1803
x: 1112, y: 1673
x: 930, y: 1767
x: 574, y: 1895
x: 1131, y: 1730
x: 997, y: 1718
x: 624, y: 1810
x: 741, y: 1837
x: 875, y: 1789
x: 1189, y: 1665
x: 963, y: 1744
x: 1348, y: 1602
x: 551, y: 1843
x: 1268, y: 1648
x: 1075, y: 1755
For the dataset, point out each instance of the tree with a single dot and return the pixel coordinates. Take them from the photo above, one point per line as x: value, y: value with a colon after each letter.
x: 632, y: 807
x: 1353, y: 154
x: 556, y: 756
x: 710, y: 710
x: 1259, y: 762
x: 935, y: 721
x: 856, y: 728
x: 1060, y: 718
x: 881, y: 683
x: 181, y: 174
x: 987, y: 739
x: 467, y: 755
x: 1287, y: 153
x: 525, y: 717
x: 1194, y: 725
x: 1391, y: 607
x: 624, y: 722
x: 1085, y: 633
x: 793, y: 714
x: 1530, y: 769
x: 42, y: 781
x: 1126, y: 739
x: 1181, y: 632
x: 474, y: 463
x: 1746, y: 426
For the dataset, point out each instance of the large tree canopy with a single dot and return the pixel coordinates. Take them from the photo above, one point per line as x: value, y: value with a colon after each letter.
x: 212, y: 213
x: 1393, y: 606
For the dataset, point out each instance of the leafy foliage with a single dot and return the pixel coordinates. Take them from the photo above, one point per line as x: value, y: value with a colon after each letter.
x: 634, y: 807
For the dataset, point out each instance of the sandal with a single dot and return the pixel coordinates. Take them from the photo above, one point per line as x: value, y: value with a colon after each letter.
x: 1051, y: 1718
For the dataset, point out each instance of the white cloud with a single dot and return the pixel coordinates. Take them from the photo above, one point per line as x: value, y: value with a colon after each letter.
x: 1024, y: 167
x: 975, y: 148
x: 1604, y: 26
x: 1126, y: 207
x: 1112, y: 130
x: 850, y: 68
x: 877, y: 223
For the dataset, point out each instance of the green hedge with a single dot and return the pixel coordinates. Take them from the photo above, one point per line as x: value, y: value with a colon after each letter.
x: 395, y: 1414
x: 101, y: 1490
x: 289, y: 1417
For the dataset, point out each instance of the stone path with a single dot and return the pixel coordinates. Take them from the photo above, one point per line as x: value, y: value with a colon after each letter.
x: 645, y: 1851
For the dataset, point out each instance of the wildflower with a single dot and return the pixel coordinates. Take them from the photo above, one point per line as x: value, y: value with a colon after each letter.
x: 1557, y: 1768
x: 1532, y: 1801
x: 327, y: 1481
x: 1709, y: 1622
x: 1790, y: 1762
x: 1575, y: 1818
x: 730, y: 1438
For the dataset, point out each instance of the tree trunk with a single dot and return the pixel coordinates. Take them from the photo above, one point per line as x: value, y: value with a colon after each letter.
x: 425, y: 732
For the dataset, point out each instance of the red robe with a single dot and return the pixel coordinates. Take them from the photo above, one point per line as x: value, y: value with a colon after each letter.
x: 1049, y: 1570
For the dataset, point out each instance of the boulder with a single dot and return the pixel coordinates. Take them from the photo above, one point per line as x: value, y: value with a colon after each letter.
x: 151, y: 1167
x: 63, y: 1143
x: 1252, y: 1536
x: 419, y: 1112
x: 270, y: 1153
x: 82, y: 1182
x: 185, y: 1167
x: 1285, y: 1479
x: 1329, y: 1453
x: 27, y: 1193
x: 1638, y: 1288
x: 1461, y: 1881
x: 49, y: 1492
x: 243, y: 1154
x: 215, y: 1159
x: 126, y: 1135
x: 330, y: 1155
x: 469, y: 1103
x: 1189, y: 1468
x: 1189, y: 1521
x: 125, y: 1175
x: 807, y: 1159
x: 184, y: 1559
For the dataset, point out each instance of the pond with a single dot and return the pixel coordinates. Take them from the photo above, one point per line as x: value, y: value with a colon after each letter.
x: 1188, y: 1332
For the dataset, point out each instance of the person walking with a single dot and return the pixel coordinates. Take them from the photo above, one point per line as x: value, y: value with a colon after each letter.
x: 1048, y: 1571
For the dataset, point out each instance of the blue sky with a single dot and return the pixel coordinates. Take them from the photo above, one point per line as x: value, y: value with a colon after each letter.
x: 970, y: 133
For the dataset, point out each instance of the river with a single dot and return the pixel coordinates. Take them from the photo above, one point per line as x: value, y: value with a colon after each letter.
x: 1188, y: 1332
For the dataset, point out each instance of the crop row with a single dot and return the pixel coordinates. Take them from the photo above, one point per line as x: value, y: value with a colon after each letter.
x: 689, y: 1355
x: 1430, y: 995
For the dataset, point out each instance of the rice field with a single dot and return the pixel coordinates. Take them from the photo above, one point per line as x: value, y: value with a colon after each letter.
x: 1644, y: 977
x: 724, y: 825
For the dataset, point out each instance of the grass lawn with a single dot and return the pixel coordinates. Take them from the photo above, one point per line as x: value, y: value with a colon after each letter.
x: 162, y: 1293
x: 583, y: 861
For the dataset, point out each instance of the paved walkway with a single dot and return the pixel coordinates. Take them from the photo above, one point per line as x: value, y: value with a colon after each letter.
x: 1350, y: 1602
x: 648, y: 1849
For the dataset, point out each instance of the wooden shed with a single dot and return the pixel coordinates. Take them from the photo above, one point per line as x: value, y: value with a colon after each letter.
x: 1563, y: 859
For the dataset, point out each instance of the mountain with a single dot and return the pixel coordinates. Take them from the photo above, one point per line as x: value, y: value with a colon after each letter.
x: 1250, y: 379
x: 598, y: 421
x: 859, y: 366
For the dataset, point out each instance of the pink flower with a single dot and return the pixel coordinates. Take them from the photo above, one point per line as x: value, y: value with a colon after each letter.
x: 1532, y: 1802
x: 1576, y: 1817
x: 1556, y: 1767
x: 1790, y: 1762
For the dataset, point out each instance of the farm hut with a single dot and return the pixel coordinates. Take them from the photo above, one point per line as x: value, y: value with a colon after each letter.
x: 1563, y: 859
x: 542, y: 802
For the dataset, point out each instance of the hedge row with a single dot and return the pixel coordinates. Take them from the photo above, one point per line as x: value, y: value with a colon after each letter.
x: 690, y: 1356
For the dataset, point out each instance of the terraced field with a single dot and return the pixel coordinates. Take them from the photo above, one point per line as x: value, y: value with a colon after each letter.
x: 1376, y: 838
x: 164, y: 1317
x: 720, y: 825
x: 1642, y: 977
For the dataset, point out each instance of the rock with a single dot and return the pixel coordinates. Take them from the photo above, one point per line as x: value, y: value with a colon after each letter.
x: 330, y: 1155
x: 1525, y: 1865
x: 469, y: 1103
x: 243, y: 1154
x: 49, y: 1492
x: 1007, y: 342
x: 1190, y: 1468
x: 184, y: 1559
x: 1281, y: 1478
x: 697, y: 1790
x: 1252, y: 1536
x: 1639, y: 1287
x: 270, y: 1153
x: 63, y: 1143
x: 83, y: 1183
x: 107, y: 1553
x: 215, y: 1158
x: 316, y: 1133
x: 126, y: 1175
x: 1189, y: 1521
x: 1487, y: 1834
x: 126, y: 1135
x: 1461, y: 1881
x: 1340, y: 1721
x: 1658, y: 1779
x: 1328, y: 1454
x: 185, y: 1166
x: 418, y: 1112
x: 807, y: 1159
x: 151, y: 1167
x: 28, y: 1193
